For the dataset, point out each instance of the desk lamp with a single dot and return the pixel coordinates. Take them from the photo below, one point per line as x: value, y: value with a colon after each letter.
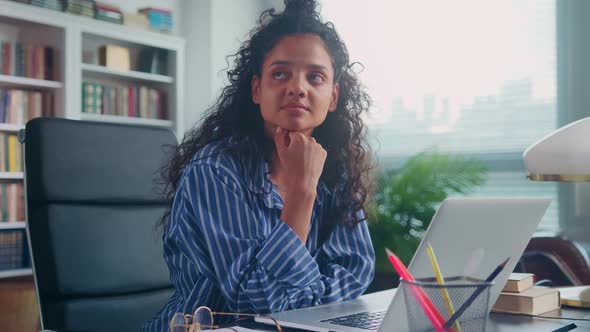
x: 563, y: 155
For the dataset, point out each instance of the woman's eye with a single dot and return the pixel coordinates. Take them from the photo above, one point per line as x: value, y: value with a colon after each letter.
x: 316, y: 78
x: 279, y: 75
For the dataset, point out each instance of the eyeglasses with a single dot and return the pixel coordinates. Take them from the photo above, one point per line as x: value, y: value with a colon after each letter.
x: 202, y: 320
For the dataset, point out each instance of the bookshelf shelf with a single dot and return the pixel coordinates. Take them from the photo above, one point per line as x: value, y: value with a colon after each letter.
x: 15, y: 273
x: 12, y: 225
x: 127, y: 120
x: 73, y: 38
x: 16, y: 81
x: 90, y: 69
x: 10, y: 127
x: 11, y: 176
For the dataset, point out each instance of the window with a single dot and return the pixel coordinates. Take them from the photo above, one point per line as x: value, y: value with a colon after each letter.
x: 470, y: 77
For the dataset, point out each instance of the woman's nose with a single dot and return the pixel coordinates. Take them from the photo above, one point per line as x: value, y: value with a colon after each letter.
x: 296, y: 86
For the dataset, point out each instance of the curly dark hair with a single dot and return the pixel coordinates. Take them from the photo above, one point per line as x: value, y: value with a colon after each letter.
x: 234, y: 115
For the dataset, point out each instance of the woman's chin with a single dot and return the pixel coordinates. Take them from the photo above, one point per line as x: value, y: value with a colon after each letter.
x: 294, y: 126
x: 297, y: 126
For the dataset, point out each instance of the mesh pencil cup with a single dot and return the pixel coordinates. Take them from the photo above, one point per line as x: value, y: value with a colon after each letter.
x: 459, y: 290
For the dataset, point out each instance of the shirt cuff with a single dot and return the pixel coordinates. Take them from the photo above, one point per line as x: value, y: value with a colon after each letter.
x: 285, y: 257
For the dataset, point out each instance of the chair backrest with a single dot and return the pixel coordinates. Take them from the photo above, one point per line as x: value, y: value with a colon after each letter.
x: 561, y: 261
x: 92, y: 211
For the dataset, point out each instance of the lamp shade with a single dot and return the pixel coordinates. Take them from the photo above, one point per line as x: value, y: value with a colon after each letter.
x: 563, y: 155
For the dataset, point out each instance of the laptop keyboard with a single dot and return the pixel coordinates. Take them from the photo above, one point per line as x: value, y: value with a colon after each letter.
x: 363, y: 320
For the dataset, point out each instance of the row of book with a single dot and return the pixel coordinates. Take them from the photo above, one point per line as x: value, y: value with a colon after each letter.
x: 80, y: 7
x: 12, y: 202
x: 19, y: 106
x: 157, y: 19
x: 108, y: 13
x: 27, y: 60
x: 11, y: 249
x: 131, y: 101
x: 49, y: 4
x: 88, y: 8
x: 10, y: 153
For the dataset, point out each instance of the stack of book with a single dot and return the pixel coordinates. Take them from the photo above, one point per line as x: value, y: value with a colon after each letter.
x: 159, y: 19
x: 12, y: 202
x: 11, y: 249
x: 130, y: 101
x: 10, y: 154
x: 519, y: 295
x: 56, y: 5
x: 27, y: 60
x: 80, y: 7
x: 108, y: 13
x: 19, y: 106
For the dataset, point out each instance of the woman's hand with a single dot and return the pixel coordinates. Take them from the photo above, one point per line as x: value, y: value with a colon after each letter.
x: 301, y: 159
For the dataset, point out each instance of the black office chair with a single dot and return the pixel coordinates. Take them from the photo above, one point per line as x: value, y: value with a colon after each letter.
x: 92, y: 208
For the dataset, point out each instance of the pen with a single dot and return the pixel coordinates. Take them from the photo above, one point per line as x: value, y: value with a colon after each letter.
x: 475, y: 294
x: 430, y: 310
x: 441, y: 281
x: 566, y: 328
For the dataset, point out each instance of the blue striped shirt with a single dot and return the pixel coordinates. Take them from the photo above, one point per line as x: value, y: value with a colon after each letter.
x: 227, y: 248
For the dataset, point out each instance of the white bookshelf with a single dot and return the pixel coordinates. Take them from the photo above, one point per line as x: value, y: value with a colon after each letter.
x: 74, y: 37
x: 10, y: 128
x: 25, y: 82
x: 15, y: 273
x: 11, y: 176
x: 12, y: 225
x: 97, y: 70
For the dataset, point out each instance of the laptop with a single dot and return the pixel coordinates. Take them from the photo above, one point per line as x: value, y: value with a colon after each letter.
x: 471, y: 236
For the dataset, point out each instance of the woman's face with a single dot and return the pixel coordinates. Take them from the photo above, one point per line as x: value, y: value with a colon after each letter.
x: 296, y: 88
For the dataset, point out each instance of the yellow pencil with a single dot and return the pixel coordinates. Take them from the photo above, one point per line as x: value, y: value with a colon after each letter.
x: 441, y: 281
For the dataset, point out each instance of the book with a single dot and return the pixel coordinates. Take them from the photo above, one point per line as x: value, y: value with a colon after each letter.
x: 114, y: 57
x: 518, y: 282
x: 575, y: 296
x: 533, y: 301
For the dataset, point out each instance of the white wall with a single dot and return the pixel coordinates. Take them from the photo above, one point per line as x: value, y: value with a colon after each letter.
x: 213, y: 30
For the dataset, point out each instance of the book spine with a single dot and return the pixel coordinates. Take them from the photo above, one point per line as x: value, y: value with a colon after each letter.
x: 6, y: 54
x: 49, y: 55
x: 2, y: 152
x: 130, y: 101
x: 1, y: 57
x: 98, y: 99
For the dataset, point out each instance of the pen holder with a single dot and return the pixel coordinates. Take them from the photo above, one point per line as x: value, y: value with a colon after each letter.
x: 459, y: 290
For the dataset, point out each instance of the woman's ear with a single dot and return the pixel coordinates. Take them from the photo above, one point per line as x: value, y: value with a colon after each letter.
x: 255, y: 90
x: 334, y: 100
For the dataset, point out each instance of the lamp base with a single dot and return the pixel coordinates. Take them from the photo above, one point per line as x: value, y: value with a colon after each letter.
x: 559, y: 177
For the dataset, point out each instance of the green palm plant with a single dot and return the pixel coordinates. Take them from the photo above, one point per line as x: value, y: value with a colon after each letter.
x: 406, y: 200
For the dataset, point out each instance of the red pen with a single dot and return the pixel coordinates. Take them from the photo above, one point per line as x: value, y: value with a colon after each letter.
x: 429, y: 309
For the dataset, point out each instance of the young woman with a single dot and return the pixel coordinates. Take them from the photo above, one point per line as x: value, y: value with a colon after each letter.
x: 268, y: 191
